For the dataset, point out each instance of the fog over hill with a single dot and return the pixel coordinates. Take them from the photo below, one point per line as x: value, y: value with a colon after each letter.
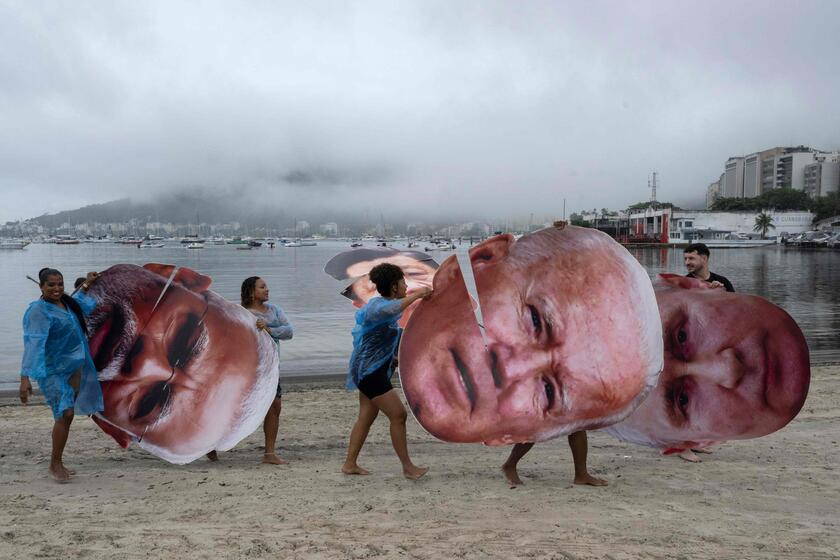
x: 252, y: 209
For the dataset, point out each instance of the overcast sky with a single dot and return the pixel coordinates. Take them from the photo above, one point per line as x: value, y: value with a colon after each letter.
x: 491, y: 108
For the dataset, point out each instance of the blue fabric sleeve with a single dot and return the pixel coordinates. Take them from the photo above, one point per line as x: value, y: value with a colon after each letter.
x: 86, y: 302
x: 380, y: 310
x: 280, y: 328
x: 36, y: 330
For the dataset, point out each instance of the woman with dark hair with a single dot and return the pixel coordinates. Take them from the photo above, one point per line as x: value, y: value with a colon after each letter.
x: 271, y: 319
x: 375, y: 340
x: 56, y: 355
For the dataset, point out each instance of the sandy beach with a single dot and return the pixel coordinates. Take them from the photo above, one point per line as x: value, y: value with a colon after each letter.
x: 773, y: 497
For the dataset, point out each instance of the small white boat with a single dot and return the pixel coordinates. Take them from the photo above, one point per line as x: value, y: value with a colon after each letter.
x: 195, y: 245
x: 13, y: 244
x: 149, y: 245
x: 293, y: 244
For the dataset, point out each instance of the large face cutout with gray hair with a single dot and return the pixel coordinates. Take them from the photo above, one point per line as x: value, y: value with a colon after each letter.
x: 572, y: 340
x: 183, y: 371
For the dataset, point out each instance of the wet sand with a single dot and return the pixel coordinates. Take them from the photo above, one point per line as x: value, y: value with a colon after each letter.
x: 773, y: 497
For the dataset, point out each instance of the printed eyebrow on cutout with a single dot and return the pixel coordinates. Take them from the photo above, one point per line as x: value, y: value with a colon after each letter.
x: 186, y: 342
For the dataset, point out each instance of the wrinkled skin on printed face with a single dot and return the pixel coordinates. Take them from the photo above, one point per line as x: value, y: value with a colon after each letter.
x: 572, y: 340
x: 174, y: 377
x: 736, y: 367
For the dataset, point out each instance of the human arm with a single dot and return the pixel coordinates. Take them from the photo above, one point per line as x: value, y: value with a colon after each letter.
x: 379, y: 310
x: 419, y: 294
x: 280, y: 328
x: 86, y: 302
x: 36, y: 330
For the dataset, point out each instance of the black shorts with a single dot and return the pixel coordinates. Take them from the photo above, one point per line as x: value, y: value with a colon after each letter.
x: 377, y: 383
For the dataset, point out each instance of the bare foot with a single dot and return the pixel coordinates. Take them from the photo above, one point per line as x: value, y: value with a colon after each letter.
x: 413, y: 473
x: 688, y: 455
x: 213, y: 456
x: 59, y: 473
x: 587, y: 478
x: 702, y: 450
x: 511, y: 475
x: 272, y: 459
x: 354, y: 469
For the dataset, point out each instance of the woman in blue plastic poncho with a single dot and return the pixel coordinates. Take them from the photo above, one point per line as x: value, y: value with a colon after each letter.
x: 56, y: 355
x: 375, y: 340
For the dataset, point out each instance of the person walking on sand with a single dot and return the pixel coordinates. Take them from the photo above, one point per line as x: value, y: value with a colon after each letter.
x: 578, y: 443
x: 271, y: 319
x: 56, y: 355
x: 375, y: 340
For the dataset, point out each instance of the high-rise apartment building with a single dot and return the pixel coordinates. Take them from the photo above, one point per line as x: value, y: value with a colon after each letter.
x: 712, y: 193
x: 822, y: 176
x: 733, y: 181
x: 780, y: 167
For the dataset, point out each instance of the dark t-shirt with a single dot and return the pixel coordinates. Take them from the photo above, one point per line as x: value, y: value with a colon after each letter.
x: 716, y: 278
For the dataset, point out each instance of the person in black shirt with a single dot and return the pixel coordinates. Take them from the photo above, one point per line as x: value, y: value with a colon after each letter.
x: 696, y: 257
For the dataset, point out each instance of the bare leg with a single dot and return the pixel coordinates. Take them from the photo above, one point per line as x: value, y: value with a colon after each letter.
x: 392, y: 406
x: 580, y: 446
x: 367, y: 414
x: 509, y: 467
x: 270, y: 426
x: 60, y: 432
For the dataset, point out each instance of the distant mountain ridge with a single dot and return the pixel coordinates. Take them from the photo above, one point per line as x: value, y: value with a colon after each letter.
x: 217, y: 207
x: 178, y: 208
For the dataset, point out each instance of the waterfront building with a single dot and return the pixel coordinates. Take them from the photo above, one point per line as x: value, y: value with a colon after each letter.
x: 831, y: 224
x: 666, y: 225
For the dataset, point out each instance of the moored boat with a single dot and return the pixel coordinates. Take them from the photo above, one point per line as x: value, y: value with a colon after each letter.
x: 13, y: 244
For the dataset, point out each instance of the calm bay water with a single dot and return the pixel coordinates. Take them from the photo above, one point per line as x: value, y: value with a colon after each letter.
x: 805, y: 283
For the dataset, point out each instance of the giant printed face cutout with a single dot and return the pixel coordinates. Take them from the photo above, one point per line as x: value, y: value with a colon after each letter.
x: 419, y: 269
x: 736, y: 367
x: 572, y: 340
x: 188, y: 376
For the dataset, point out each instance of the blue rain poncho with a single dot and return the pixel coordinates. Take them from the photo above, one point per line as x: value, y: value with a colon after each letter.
x: 375, y: 338
x: 54, y: 348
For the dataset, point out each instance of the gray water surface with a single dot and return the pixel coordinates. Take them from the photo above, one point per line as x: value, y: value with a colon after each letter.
x: 805, y: 283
